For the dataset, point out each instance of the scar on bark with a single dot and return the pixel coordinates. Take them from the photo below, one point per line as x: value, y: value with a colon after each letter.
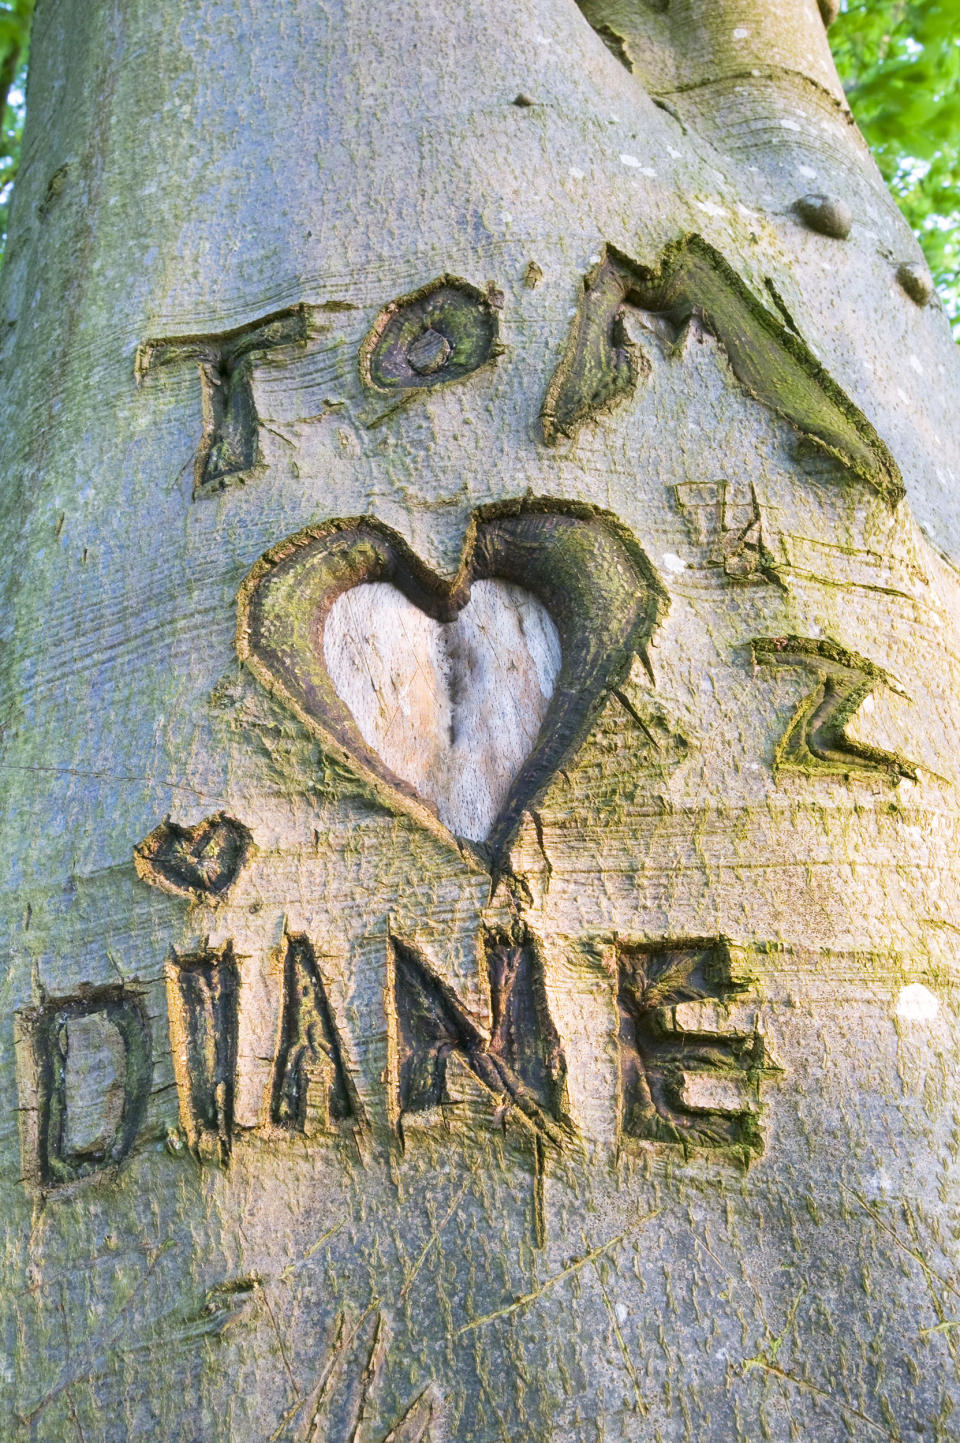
x: 90, y: 1066
x: 202, y: 992
x: 229, y: 449
x: 201, y: 862
x: 816, y: 740
x: 691, y: 1054
x: 602, y: 366
x: 338, y: 1404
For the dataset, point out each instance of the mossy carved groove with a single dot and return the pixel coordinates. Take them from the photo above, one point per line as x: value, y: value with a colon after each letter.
x: 312, y: 1090
x: 815, y: 740
x: 229, y: 450
x: 580, y: 562
x: 48, y: 1028
x: 519, y: 1062
x: 202, y: 991
x: 690, y: 1066
x: 601, y: 367
x: 440, y: 333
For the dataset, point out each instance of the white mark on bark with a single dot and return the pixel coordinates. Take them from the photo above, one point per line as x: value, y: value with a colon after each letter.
x: 674, y: 563
x: 636, y: 164
x: 877, y: 1185
x: 917, y: 1003
x: 709, y: 1092
x: 453, y: 708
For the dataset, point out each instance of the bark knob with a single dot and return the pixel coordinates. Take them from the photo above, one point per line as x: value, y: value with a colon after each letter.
x: 916, y: 280
x: 825, y: 214
x: 829, y: 10
x: 429, y: 352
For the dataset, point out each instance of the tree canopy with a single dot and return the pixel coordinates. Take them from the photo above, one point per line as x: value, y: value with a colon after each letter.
x: 15, y: 18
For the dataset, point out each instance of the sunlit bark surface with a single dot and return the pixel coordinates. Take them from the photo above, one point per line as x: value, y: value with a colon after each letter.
x: 480, y: 707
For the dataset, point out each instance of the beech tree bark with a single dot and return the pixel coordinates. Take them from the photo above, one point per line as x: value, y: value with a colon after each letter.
x: 480, y: 701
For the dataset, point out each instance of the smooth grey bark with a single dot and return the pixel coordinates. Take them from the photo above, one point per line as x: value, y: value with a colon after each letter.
x: 763, y: 798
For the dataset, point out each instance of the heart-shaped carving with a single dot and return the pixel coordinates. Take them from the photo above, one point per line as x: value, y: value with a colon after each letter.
x: 500, y: 668
x: 202, y: 861
x: 452, y: 707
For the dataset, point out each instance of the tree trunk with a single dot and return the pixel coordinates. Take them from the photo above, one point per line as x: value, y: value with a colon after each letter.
x: 480, y: 700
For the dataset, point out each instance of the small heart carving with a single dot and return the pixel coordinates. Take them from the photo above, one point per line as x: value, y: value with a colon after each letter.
x: 202, y: 861
x: 457, y: 698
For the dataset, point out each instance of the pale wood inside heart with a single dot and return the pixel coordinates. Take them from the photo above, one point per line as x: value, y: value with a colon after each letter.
x: 453, y: 708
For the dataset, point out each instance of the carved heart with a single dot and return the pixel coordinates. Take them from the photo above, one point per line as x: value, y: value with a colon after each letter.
x: 452, y: 707
x: 202, y: 861
x: 458, y: 699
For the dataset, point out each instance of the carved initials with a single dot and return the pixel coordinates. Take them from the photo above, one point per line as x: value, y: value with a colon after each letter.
x: 93, y: 1066
x: 519, y: 1062
x: 230, y: 447
x: 602, y: 364
x: 436, y: 335
x: 816, y: 738
x: 202, y: 991
x: 312, y: 1092
x: 691, y: 1054
x: 727, y: 526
